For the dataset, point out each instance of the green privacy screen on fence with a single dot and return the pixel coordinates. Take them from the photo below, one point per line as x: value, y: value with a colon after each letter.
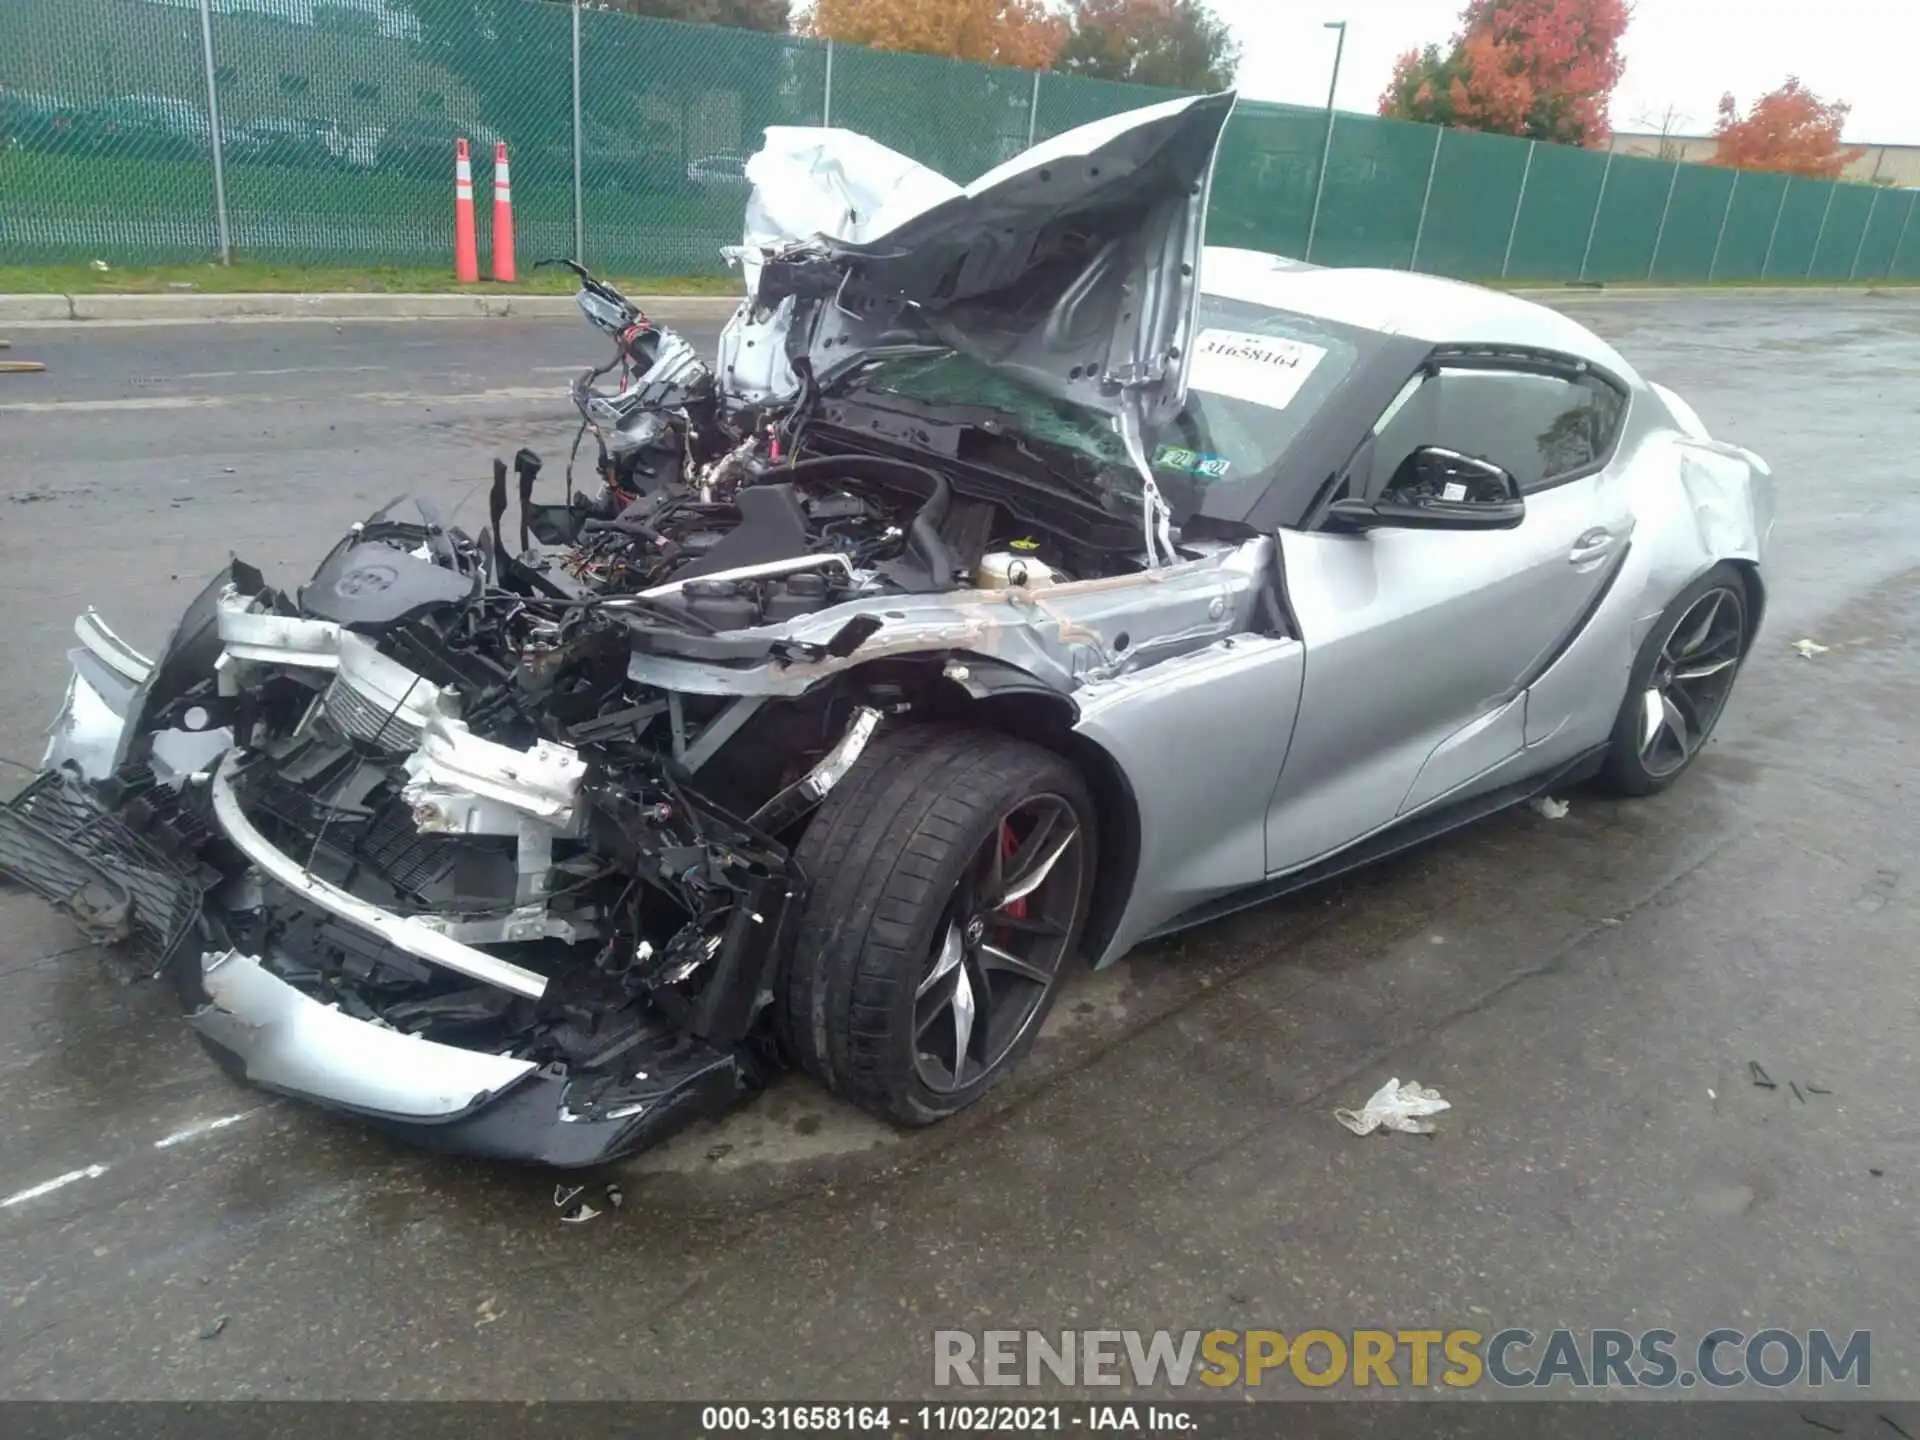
x: 337, y: 120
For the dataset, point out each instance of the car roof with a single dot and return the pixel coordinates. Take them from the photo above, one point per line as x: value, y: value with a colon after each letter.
x: 1399, y: 302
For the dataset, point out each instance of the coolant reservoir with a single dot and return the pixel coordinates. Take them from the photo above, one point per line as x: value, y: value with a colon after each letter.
x: 1002, y: 568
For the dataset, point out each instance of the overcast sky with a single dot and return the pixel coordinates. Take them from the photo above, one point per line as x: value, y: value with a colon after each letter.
x: 1680, y: 53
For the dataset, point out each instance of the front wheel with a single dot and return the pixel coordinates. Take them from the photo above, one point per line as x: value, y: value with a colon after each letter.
x: 950, y: 871
x: 1679, y: 684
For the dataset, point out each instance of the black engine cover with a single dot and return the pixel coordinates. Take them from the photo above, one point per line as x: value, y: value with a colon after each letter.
x: 374, y: 585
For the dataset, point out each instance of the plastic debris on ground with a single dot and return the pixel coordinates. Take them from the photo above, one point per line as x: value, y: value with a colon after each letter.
x: 1551, y: 808
x: 1396, y: 1107
x: 1810, y: 648
x: 576, y: 1211
x: 1763, y: 1081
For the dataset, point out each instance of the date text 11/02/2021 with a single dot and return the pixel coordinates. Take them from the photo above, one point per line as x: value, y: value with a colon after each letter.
x: 981, y: 1419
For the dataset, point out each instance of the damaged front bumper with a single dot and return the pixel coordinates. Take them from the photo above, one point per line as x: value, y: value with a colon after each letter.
x: 444, y: 1097
x: 170, y: 855
x: 119, y: 885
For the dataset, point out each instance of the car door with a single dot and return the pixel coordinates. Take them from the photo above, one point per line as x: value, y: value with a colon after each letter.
x: 1420, y: 643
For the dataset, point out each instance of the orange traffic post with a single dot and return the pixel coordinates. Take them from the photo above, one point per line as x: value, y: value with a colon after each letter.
x: 502, y: 216
x: 466, y: 250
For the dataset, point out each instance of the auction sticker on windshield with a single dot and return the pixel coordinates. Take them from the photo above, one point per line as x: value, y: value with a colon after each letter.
x: 1264, y: 369
x: 1192, y: 462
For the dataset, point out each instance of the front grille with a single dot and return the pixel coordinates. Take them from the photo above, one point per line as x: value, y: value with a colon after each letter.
x: 58, y: 840
x: 369, y: 721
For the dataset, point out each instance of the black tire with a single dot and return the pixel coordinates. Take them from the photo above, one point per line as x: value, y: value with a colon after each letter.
x: 1630, y: 769
x: 894, y: 854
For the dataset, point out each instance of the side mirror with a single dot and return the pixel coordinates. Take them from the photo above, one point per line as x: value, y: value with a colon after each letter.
x: 1438, y: 489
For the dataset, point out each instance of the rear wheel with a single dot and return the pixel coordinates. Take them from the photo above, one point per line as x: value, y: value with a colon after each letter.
x: 950, y: 875
x: 1679, y: 684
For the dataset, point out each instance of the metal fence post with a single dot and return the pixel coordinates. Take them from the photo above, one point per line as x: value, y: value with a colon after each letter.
x: 219, y: 145
x: 1665, y: 210
x: 1774, y: 236
x: 1898, y: 245
x: 579, y: 205
x: 1599, y: 201
x: 1420, y: 230
x: 1721, y: 238
x: 1319, y: 188
x: 1513, y: 230
x: 1033, y: 111
x: 1865, y: 230
x: 826, y: 102
x: 1833, y: 189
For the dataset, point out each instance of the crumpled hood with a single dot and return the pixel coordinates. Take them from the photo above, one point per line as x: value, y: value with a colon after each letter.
x: 811, y: 181
x: 1073, y: 266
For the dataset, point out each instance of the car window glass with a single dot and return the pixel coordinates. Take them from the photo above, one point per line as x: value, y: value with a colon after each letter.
x: 1541, y: 428
x: 1260, y: 377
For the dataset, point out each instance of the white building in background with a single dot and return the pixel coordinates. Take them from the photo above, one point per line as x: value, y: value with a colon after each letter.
x: 1894, y: 165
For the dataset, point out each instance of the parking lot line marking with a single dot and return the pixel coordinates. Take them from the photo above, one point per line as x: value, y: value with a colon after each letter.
x: 204, y: 1127
x: 208, y: 402
x: 456, y: 397
x: 92, y: 1172
x: 295, y: 370
x: 131, y: 402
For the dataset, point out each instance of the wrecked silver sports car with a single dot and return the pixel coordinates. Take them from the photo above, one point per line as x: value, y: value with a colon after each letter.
x: 1022, y: 581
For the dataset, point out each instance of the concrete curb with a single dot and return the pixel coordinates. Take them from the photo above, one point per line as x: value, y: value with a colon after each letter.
x: 39, y: 311
x: 34, y: 309
x: 1701, y: 292
x: 179, y: 309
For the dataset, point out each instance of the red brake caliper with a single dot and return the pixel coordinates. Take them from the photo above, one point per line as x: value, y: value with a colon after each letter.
x: 1018, y: 909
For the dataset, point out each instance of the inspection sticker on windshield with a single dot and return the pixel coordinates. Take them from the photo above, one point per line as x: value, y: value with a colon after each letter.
x: 1192, y: 462
x: 1265, y: 369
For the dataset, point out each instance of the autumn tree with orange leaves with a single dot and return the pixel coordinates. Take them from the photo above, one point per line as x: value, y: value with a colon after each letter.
x: 1021, y: 33
x: 1541, y: 69
x: 1791, y: 130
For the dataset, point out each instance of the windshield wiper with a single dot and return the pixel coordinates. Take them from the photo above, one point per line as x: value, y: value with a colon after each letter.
x: 1062, y: 470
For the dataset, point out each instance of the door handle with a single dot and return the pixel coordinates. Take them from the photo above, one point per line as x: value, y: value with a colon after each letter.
x: 1590, y: 546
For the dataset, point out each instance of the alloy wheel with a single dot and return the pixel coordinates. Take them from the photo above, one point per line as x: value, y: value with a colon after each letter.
x: 1690, y: 681
x: 999, y: 944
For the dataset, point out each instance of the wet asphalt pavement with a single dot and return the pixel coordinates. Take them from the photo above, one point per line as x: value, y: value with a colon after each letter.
x: 1588, y: 991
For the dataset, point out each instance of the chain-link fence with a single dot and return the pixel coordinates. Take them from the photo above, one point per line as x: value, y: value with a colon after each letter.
x: 322, y: 131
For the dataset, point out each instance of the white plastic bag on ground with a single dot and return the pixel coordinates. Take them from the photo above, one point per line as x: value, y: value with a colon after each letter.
x: 1396, y: 1107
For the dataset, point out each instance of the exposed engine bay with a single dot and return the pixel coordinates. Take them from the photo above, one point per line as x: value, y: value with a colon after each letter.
x: 770, y: 542
x: 718, y: 515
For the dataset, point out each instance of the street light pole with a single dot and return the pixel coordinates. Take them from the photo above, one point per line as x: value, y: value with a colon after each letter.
x: 1326, y: 151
